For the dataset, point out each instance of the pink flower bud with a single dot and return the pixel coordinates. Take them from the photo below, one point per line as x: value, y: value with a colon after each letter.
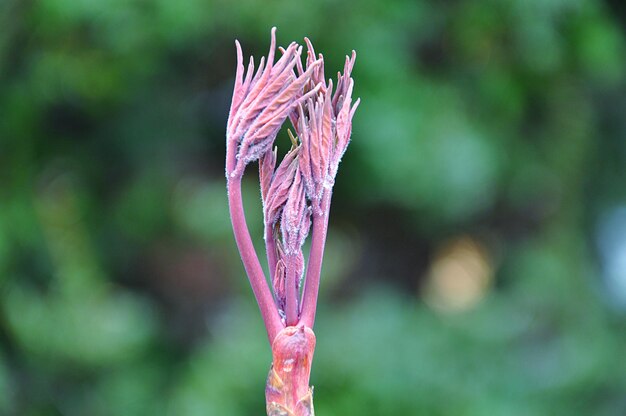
x: 279, y: 187
x: 324, y: 125
x: 261, y: 104
x: 295, y: 220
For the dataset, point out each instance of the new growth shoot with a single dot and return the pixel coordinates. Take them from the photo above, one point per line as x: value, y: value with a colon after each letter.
x: 296, y: 194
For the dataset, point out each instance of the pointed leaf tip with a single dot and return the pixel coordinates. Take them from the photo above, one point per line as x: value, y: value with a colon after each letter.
x: 294, y: 140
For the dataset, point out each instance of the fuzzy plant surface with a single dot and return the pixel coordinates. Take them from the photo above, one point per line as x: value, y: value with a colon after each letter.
x: 296, y: 193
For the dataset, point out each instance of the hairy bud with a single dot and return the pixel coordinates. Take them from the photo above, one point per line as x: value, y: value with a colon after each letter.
x: 261, y: 103
x: 324, y: 126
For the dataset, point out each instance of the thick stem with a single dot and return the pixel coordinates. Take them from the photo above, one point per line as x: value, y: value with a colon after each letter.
x: 314, y: 266
x: 250, y: 260
x: 287, y: 390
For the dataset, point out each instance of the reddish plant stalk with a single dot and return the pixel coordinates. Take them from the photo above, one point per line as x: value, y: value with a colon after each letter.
x: 263, y: 296
x: 314, y: 266
x: 295, y: 195
x: 287, y: 389
x: 291, y: 294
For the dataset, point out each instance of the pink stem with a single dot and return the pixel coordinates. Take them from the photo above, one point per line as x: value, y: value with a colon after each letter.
x: 250, y: 260
x: 291, y: 292
x: 314, y: 266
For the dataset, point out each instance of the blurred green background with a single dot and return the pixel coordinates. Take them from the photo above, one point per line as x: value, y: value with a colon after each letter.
x: 476, y: 260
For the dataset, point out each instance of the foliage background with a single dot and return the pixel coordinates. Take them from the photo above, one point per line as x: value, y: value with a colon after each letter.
x: 476, y: 262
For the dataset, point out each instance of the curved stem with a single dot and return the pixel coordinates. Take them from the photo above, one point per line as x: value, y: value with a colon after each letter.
x: 262, y: 293
x: 314, y: 266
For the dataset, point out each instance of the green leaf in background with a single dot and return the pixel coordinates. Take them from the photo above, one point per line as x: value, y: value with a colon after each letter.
x: 467, y: 271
